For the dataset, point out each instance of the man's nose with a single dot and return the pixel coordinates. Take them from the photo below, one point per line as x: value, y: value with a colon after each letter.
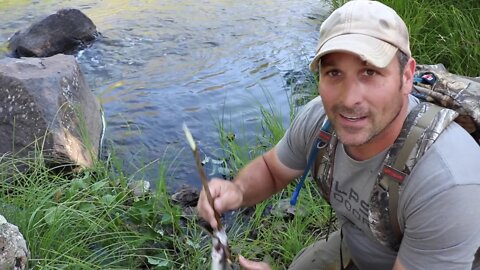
x: 352, y: 92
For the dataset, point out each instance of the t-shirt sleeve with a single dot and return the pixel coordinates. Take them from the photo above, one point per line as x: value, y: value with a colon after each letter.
x: 293, y: 148
x: 441, y: 206
x: 444, y: 232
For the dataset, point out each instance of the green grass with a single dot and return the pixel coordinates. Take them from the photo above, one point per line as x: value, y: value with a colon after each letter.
x: 442, y: 31
x: 266, y: 235
x: 90, y: 220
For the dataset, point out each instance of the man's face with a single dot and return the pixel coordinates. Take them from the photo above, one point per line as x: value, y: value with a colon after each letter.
x: 361, y: 100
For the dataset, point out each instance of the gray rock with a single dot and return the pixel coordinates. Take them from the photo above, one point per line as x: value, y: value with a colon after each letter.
x: 139, y: 188
x: 46, y: 104
x: 62, y: 32
x: 13, y: 248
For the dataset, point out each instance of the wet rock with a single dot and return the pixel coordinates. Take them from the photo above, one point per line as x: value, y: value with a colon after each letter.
x: 62, y: 32
x: 283, y: 209
x: 45, y: 104
x: 13, y: 248
x: 186, y: 196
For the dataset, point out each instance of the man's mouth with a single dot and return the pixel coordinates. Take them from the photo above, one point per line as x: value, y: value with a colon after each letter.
x: 352, y: 118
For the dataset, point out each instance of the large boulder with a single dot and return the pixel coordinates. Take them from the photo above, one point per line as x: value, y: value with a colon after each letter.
x: 13, y: 248
x: 62, y: 32
x: 46, y: 105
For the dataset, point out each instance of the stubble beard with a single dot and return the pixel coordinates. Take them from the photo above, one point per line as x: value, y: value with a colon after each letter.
x: 374, y: 131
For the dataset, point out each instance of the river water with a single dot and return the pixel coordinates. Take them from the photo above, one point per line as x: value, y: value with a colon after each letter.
x: 160, y: 63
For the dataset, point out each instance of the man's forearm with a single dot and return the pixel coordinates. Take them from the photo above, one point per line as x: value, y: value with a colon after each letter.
x: 256, y: 182
x: 262, y: 178
x: 398, y: 265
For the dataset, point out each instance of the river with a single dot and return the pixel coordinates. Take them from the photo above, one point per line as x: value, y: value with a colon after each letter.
x: 160, y: 63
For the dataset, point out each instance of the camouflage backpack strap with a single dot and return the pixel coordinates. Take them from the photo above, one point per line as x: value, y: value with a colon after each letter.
x: 324, y: 165
x: 421, y: 128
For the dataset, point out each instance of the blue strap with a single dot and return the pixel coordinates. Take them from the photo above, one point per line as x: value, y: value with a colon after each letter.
x: 319, y: 143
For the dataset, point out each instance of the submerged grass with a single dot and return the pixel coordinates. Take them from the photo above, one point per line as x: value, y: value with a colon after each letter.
x: 91, y: 220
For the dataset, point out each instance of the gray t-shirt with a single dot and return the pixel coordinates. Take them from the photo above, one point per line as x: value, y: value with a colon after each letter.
x: 438, y: 210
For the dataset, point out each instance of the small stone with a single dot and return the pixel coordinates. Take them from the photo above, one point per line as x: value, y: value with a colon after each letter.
x: 139, y: 188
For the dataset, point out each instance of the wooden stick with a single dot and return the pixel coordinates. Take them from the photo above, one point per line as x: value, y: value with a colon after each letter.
x: 201, y: 172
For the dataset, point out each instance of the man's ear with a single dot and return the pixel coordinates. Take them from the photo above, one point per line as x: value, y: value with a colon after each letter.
x: 408, y: 74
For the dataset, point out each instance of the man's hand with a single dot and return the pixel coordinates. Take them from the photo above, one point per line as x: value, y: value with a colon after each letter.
x: 253, y: 265
x: 226, y: 196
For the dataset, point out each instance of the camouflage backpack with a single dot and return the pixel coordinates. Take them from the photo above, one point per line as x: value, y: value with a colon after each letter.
x: 433, y: 83
x: 447, y: 97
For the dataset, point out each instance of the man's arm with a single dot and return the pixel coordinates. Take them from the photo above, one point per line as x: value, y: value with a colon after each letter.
x: 398, y: 265
x: 263, y: 177
x: 257, y: 181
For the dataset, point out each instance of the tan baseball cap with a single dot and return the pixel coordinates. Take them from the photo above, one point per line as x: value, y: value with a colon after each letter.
x: 369, y: 29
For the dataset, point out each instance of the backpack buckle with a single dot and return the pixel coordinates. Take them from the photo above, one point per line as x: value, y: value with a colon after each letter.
x: 395, y: 174
x: 324, y: 136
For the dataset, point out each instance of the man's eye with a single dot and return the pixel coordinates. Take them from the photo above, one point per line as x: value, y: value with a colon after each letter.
x: 333, y: 73
x: 369, y: 72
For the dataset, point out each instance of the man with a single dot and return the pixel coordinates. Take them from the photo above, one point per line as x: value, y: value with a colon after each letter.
x: 366, y: 73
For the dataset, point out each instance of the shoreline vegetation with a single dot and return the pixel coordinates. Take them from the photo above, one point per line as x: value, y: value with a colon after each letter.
x: 91, y: 220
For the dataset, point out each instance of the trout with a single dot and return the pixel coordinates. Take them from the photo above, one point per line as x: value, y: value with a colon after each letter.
x: 221, y: 251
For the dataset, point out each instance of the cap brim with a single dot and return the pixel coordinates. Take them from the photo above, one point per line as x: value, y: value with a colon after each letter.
x: 375, y: 51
